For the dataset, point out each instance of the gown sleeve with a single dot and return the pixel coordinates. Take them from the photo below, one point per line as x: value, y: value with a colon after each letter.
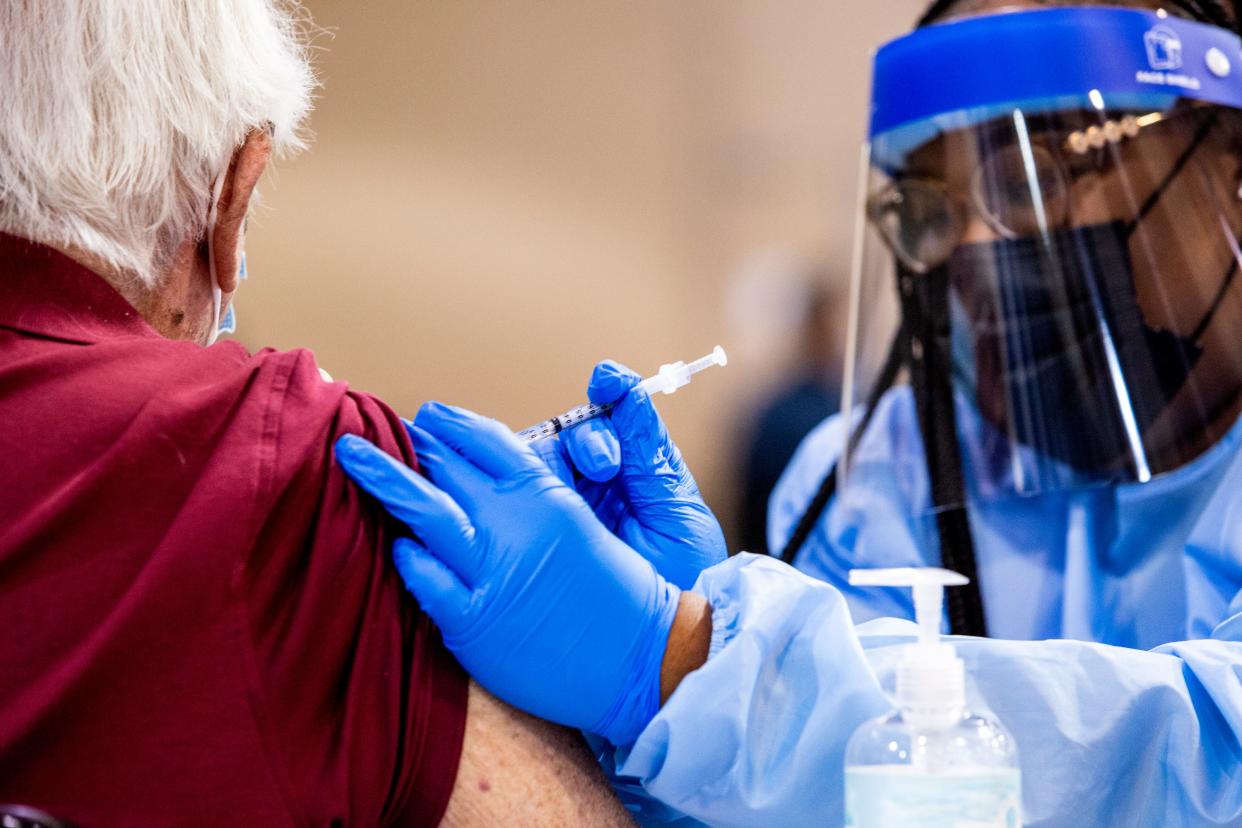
x: 1106, y: 735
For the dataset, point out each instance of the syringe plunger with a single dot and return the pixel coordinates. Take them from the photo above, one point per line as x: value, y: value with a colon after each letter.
x: 673, y: 376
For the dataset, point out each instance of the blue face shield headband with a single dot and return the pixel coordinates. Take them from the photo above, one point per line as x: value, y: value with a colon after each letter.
x: 1038, y: 190
x: 990, y: 64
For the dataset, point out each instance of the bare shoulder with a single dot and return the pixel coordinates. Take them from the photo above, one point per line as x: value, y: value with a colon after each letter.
x: 519, y: 770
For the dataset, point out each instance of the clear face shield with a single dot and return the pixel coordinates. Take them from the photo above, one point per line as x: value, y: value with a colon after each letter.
x: 1048, y: 267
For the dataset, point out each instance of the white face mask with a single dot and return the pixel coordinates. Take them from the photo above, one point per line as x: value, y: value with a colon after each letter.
x: 229, y: 323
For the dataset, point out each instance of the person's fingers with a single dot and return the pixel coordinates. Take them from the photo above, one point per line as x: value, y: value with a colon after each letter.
x: 594, y: 449
x: 428, y: 511
x: 462, y: 480
x: 641, y: 431
x: 650, y: 462
x: 486, y: 443
x: 556, y: 456
x: 646, y: 449
x: 385, y: 477
x: 609, y: 382
x: 607, y: 502
x: 437, y: 590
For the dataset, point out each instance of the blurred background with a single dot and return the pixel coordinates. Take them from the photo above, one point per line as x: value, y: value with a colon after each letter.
x: 500, y: 194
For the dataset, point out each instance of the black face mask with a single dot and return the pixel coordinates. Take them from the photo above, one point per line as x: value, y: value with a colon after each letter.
x: 1065, y: 361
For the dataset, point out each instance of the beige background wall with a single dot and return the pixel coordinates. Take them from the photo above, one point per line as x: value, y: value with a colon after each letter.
x: 502, y: 193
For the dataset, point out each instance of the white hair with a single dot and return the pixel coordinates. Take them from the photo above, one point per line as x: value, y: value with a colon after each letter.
x: 117, y: 116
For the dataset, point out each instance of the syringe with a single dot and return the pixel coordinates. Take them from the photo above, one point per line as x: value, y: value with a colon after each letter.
x: 665, y: 381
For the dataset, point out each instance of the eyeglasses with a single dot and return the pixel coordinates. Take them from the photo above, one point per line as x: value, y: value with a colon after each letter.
x: 1019, y: 189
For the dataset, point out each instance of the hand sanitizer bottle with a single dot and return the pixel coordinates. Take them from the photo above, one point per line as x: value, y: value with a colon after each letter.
x: 931, y: 763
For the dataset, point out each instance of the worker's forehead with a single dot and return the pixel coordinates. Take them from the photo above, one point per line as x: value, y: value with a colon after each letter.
x: 965, y: 8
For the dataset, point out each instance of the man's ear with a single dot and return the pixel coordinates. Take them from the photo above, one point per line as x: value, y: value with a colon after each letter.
x: 245, y: 169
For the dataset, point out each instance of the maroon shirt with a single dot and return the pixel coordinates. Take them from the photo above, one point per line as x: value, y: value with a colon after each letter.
x: 198, y: 621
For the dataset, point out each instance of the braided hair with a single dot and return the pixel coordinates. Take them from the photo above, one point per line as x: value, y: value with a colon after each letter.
x: 1223, y: 13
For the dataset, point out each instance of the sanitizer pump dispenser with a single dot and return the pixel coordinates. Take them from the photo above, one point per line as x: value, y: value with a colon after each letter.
x: 931, y: 763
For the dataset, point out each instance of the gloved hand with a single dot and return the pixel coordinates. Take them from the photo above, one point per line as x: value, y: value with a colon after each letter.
x: 633, y: 476
x: 543, y: 605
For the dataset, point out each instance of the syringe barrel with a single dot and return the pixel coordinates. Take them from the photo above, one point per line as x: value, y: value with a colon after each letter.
x: 559, y: 423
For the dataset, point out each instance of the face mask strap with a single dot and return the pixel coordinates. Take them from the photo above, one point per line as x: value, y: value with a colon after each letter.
x: 1217, y: 301
x: 1180, y: 164
x: 217, y: 296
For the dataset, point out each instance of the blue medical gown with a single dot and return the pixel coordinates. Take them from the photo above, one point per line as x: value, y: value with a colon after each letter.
x: 1136, y: 720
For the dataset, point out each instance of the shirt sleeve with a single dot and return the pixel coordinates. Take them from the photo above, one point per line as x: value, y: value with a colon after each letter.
x: 362, y: 707
x: 1106, y: 735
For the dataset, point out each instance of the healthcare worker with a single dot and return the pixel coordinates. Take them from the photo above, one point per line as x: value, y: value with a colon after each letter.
x: 1044, y: 393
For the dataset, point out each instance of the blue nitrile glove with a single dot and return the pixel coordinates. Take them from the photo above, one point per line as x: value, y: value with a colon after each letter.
x: 633, y: 476
x: 543, y: 605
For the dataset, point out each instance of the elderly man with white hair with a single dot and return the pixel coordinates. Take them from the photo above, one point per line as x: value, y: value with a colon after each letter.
x: 200, y: 622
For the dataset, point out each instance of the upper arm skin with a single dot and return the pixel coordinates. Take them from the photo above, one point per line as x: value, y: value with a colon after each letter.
x: 519, y: 770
